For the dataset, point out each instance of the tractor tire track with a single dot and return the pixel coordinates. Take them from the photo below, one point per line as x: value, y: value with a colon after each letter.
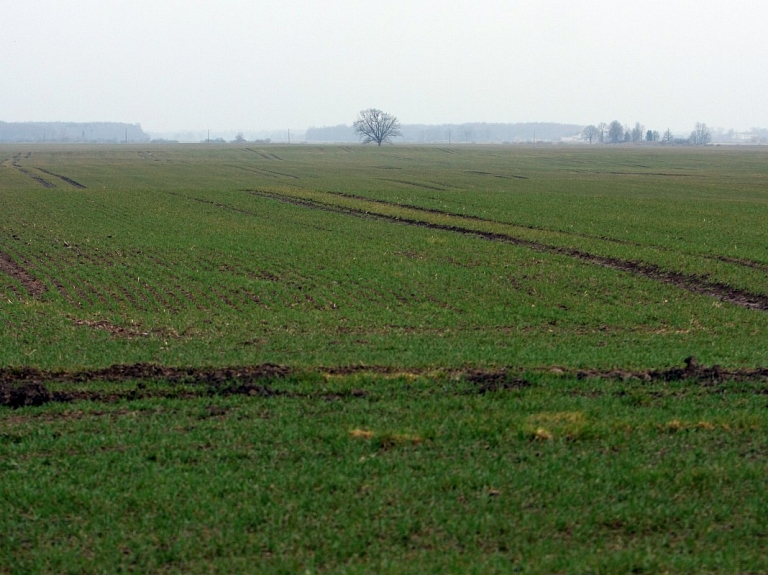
x: 414, y: 184
x: 265, y: 172
x: 689, y: 282
x: 42, y: 181
x: 215, y: 204
x: 69, y: 181
x: 725, y: 259
x: 265, y: 155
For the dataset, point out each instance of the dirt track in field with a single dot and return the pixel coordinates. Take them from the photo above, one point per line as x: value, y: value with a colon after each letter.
x: 737, y: 261
x: 65, y: 179
x: 689, y: 282
x: 28, y: 386
x: 15, y: 162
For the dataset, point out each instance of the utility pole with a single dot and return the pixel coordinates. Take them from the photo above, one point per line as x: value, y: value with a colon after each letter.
x: 449, y: 137
x: 209, y: 136
x: 289, y: 136
x: 126, y: 135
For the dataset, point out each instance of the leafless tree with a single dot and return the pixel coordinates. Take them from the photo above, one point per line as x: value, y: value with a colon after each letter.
x: 701, y: 135
x: 590, y: 133
x: 601, y: 128
x: 373, y: 125
x: 637, y: 132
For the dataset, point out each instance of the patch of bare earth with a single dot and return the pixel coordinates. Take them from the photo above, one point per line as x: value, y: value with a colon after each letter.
x: 27, y: 386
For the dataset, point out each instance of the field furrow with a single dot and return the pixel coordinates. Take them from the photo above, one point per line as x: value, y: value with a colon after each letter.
x: 693, y: 283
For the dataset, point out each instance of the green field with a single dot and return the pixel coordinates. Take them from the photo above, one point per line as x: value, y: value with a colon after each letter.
x: 399, y: 359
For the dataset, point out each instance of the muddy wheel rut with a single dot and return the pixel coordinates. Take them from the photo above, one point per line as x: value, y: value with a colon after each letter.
x: 42, y: 181
x: 65, y: 179
x: 688, y: 282
x: 725, y: 259
x: 28, y: 386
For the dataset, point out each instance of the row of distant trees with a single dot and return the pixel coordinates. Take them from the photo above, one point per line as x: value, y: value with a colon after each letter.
x: 616, y: 133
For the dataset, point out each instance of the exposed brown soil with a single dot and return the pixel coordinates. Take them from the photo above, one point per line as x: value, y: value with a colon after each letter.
x: 692, y: 371
x: 147, y: 371
x: 114, y: 330
x: 487, y: 381
x: 27, y: 394
x: 26, y: 386
x: 34, y: 286
x: 688, y: 282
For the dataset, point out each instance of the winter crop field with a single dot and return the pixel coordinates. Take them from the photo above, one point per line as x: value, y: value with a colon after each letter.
x: 401, y: 359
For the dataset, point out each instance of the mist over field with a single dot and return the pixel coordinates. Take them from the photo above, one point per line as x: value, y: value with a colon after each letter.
x: 266, y: 68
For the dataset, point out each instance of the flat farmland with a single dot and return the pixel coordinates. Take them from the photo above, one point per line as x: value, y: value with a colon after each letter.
x: 407, y: 359
x: 417, y: 257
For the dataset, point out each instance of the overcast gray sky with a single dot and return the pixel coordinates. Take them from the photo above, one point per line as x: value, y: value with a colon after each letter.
x: 274, y: 64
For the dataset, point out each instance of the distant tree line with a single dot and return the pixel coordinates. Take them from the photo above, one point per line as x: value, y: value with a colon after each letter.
x: 467, y: 133
x: 617, y: 133
x: 99, y: 132
x: 239, y: 139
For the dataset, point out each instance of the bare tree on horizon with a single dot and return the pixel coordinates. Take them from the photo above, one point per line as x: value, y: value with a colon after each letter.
x: 590, y: 133
x: 373, y: 125
x: 701, y: 136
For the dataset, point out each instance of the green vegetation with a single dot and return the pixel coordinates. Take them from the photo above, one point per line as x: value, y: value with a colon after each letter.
x: 392, y: 475
x: 471, y: 345
x: 195, y: 256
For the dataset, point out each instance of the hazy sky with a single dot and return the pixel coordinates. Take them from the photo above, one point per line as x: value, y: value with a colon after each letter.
x: 275, y: 64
